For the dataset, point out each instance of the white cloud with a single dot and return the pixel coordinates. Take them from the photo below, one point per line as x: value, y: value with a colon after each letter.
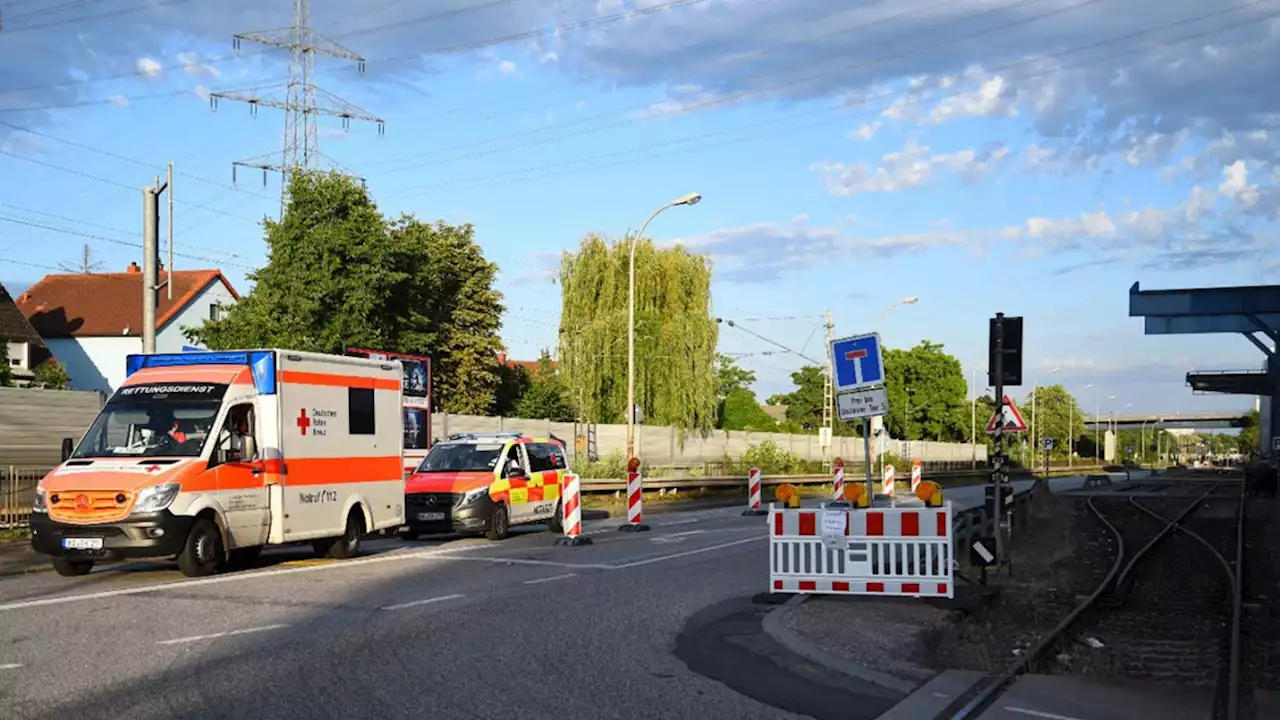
x: 201, y: 92
x: 911, y: 167
x: 192, y: 65
x: 149, y: 67
x: 119, y: 100
x: 866, y: 131
x: 507, y: 67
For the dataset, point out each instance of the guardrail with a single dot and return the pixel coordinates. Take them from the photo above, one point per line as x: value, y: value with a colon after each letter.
x: 598, y: 485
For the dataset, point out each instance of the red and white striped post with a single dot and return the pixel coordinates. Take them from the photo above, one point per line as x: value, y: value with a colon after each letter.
x: 838, y: 480
x: 635, y: 498
x: 916, y: 472
x: 571, y: 505
x: 753, y: 493
x: 889, y: 482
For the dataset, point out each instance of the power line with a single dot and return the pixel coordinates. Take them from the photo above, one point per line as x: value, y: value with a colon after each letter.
x: 91, y: 236
x: 110, y: 13
x: 757, y: 335
x: 771, y: 124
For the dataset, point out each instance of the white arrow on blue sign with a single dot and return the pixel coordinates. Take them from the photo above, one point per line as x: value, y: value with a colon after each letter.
x: 857, y: 362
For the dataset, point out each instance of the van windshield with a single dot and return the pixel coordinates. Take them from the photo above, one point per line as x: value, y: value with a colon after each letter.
x: 462, y: 457
x: 159, y: 420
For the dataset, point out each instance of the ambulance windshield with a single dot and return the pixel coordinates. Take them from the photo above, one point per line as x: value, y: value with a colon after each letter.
x: 154, y: 420
x: 462, y: 457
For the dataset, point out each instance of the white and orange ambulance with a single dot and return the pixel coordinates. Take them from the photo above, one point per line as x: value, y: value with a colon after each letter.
x: 209, y: 456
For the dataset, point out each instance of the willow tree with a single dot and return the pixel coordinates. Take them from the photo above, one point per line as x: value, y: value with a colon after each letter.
x: 675, y: 334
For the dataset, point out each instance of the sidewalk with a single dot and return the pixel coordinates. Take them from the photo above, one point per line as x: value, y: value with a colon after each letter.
x: 17, y: 558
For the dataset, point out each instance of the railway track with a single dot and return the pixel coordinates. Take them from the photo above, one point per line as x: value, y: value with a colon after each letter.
x: 1169, y: 607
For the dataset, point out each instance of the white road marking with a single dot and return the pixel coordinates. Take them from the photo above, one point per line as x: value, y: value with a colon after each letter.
x: 1037, y: 713
x: 676, y: 537
x: 428, y: 601
x: 525, y: 561
x: 550, y: 579
x: 237, y: 577
x: 681, y: 522
x: 10, y: 666
x: 687, y: 553
x: 213, y: 636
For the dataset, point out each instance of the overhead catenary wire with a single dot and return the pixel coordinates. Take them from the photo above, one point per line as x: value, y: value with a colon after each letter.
x: 102, y: 238
x: 758, y: 336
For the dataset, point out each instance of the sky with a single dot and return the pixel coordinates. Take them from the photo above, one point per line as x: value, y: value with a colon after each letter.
x: 1031, y: 157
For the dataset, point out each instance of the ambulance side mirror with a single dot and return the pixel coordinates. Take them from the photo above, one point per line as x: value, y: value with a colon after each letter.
x: 68, y: 446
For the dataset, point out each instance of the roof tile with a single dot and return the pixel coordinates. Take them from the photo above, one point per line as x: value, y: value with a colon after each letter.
x: 13, y: 324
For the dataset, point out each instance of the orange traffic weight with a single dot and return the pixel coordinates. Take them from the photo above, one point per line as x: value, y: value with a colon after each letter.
x: 930, y: 493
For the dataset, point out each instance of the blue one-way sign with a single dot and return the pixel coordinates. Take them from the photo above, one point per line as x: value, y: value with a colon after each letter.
x: 857, y: 362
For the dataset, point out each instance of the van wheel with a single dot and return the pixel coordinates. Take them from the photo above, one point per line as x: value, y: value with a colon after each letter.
x: 72, y: 568
x: 499, y: 523
x: 200, y: 555
x: 556, y: 523
x: 348, y: 545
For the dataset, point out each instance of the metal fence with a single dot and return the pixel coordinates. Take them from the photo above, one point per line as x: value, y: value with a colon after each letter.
x: 17, y: 490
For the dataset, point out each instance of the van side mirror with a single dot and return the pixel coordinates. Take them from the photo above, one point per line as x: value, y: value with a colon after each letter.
x: 68, y: 446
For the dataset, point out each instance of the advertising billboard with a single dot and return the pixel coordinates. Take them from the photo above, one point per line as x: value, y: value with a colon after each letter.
x: 416, y: 388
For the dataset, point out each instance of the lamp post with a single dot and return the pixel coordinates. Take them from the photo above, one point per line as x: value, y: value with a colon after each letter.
x: 1035, y: 426
x: 1072, y: 441
x: 690, y: 199
x: 1097, y: 420
x: 877, y: 422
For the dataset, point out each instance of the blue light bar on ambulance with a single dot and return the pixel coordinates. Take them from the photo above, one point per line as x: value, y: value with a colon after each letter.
x: 262, y: 364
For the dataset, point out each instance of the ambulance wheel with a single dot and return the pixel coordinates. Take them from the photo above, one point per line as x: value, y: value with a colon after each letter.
x: 72, y: 568
x: 348, y: 546
x: 556, y: 523
x: 199, y: 557
x: 499, y: 523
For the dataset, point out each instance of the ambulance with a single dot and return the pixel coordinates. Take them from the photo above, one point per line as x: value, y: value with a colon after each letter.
x: 485, y: 483
x: 207, y: 457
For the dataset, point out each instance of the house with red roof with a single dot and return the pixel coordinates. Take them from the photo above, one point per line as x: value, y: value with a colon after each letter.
x: 92, y: 321
x: 25, y: 348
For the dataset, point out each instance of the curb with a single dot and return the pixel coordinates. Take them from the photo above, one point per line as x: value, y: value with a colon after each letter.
x: 774, y: 628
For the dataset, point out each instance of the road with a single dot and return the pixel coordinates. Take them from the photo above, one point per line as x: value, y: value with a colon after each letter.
x: 451, y: 628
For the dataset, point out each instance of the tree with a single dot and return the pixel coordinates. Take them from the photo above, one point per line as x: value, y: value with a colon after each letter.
x: 804, y: 404
x: 51, y: 375
x: 546, y: 397
x: 6, y: 372
x: 741, y: 411
x: 675, y: 335
x: 928, y: 395
x: 513, y: 382
x: 338, y: 273
x: 1247, y: 440
x: 730, y: 377
x: 1057, y: 416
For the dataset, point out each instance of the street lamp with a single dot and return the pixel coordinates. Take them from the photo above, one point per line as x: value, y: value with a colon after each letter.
x: 877, y: 422
x: 1097, y: 420
x: 912, y: 300
x: 690, y: 199
x: 1071, y: 441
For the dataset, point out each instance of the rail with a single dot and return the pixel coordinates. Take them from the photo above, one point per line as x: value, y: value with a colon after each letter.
x: 983, y: 695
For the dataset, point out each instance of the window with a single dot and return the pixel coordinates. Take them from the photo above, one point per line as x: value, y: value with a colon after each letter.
x: 213, y: 312
x: 539, y: 457
x: 360, y: 411
x: 557, y: 457
x: 512, y: 456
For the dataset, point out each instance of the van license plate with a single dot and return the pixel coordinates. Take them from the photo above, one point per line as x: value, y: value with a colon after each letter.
x: 82, y: 543
x: 430, y: 516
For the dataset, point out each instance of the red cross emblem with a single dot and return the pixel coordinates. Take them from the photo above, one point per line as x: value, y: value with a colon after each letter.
x: 152, y: 468
x: 304, y: 422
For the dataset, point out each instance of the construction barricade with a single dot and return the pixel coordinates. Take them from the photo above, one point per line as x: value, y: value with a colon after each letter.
x: 837, y: 480
x: 754, y: 483
x: 635, y: 498
x: 890, y: 483
x: 916, y: 473
x: 571, y: 513
x: 903, y: 551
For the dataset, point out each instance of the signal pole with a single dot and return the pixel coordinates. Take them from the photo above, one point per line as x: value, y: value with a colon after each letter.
x: 150, y: 260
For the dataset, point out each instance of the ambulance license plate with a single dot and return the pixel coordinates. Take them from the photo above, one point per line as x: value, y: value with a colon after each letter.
x: 82, y: 543
x: 426, y: 517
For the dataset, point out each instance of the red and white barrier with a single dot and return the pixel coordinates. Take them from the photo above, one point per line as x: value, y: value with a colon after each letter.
x: 571, y: 507
x: 753, y: 493
x: 889, y: 482
x: 916, y: 473
x: 635, y: 501
x: 838, y: 479
x: 887, y: 551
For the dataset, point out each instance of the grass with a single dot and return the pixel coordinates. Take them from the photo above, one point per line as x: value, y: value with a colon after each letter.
x: 14, y: 535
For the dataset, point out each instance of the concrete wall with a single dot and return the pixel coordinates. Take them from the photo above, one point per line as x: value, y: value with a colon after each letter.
x: 95, y: 363
x: 660, y: 445
x: 170, y: 339
x: 33, y: 423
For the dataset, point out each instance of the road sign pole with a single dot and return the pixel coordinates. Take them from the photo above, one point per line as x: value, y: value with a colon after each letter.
x: 866, y: 454
x: 996, y: 475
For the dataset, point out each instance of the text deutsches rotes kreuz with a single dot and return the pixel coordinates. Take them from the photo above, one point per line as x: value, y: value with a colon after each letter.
x: 320, y: 420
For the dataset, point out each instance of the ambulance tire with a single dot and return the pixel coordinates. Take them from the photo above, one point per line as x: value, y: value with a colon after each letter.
x: 499, y: 523
x: 72, y: 568
x: 202, y: 553
x: 556, y: 523
x: 347, y: 546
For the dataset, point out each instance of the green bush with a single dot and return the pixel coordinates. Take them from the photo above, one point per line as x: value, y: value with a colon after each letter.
x: 610, y: 467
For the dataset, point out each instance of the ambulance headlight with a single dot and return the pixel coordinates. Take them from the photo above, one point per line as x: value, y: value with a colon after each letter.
x: 473, y: 496
x: 38, y: 502
x: 157, y: 498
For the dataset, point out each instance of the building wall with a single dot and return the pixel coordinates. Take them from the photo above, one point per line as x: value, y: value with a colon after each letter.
x: 170, y: 339
x: 33, y: 423
x: 94, y: 363
x: 19, y: 355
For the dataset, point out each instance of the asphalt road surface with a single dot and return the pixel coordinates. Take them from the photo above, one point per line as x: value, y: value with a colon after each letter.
x: 657, y: 624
